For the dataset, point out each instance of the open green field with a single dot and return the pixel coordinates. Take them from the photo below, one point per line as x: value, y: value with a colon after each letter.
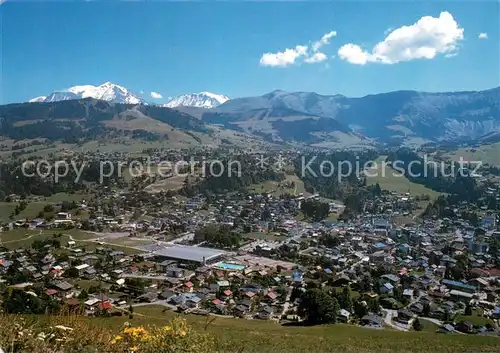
x: 271, y: 187
x: 62, y: 196
x: 6, y: 209
x: 126, y: 241
x: 485, y: 154
x: 476, y: 318
x: 90, y: 245
x: 390, y: 180
x: 31, y: 210
x: 23, y: 238
x: 256, y: 336
x: 264, y: 236
x: 283, y: 187
x: 428, y: 326
x: 34, y: 207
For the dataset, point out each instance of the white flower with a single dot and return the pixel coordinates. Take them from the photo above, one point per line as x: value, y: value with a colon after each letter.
x: 64, y: 328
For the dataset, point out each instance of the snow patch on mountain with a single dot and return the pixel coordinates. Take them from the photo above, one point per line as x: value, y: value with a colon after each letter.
x: 200, y: 100
x: 37, y: 99
x: 107, y: 91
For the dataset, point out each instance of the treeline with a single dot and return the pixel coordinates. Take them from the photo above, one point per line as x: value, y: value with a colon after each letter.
x: 444, y: 206
x: 315, y: 210
x: 446, y: 178
x: 335, y: 174
x: 230, y: 175
x: 15, y: 180
x: 218, y: 235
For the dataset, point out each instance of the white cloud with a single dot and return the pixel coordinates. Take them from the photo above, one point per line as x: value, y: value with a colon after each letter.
x: 291, y: 56
x: 353, y: 53
x: 156, y: 95
x: 285, y: 58
x: 425, y: 39
x: 483, y: 35
x: 323, y: 41
x: 315, y: 58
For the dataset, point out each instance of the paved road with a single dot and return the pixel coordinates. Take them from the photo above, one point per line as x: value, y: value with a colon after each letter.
x: 434, y: 321
x: 157, y: 302
x: 389, y: 316
x: 287, y: 301
x: 161, y: 278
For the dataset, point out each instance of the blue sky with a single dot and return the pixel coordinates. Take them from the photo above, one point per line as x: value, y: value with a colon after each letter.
x: 239, y: 49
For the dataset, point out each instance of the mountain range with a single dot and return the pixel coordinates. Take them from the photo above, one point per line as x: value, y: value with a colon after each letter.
x: 384, y: 117
x: 117, y: 94
x: 107, y: 91
x: 399, y: 117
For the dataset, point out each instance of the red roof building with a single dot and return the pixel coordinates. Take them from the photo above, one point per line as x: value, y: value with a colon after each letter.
x: 104, y: 306
x: 72, y: 302
x: 272, y: 295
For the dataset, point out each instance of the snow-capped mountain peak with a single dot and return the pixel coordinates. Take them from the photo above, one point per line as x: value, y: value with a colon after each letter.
x: 107, y: 91
x: 38, y: 99
x: 200, y: 100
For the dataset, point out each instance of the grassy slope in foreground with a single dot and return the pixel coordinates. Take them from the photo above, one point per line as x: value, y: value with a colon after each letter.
x: 256, y: 336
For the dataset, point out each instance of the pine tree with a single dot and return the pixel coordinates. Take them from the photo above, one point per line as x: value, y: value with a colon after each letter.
x: 130, y: 312
x: 417, y: 326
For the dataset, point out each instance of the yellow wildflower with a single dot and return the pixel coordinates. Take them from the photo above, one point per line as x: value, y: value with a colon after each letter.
x: 116, y: 339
